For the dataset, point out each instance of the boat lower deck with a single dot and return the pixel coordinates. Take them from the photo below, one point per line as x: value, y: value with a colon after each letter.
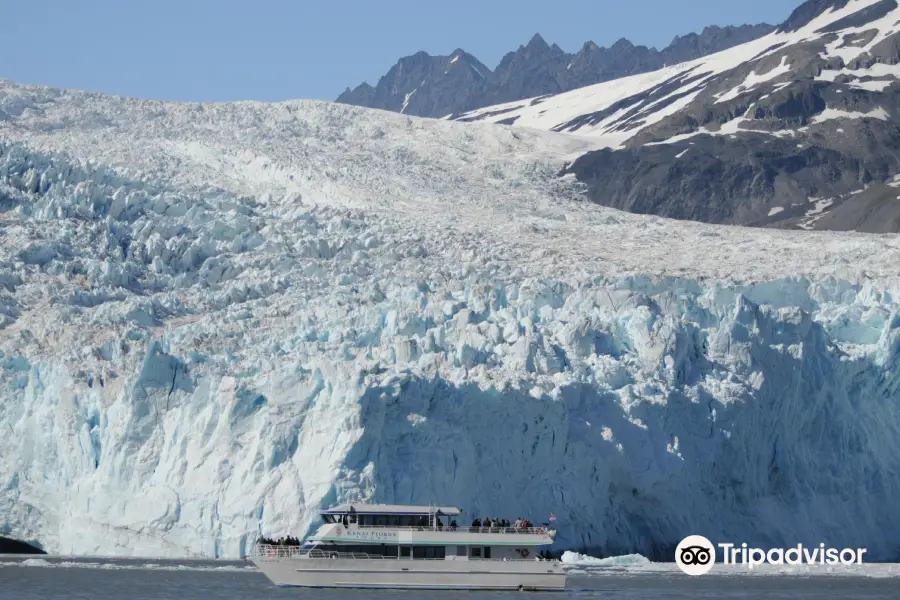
x: 413, y: 573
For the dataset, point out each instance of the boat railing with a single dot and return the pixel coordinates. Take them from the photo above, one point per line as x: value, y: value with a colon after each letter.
x: 505, y: 530
x: 270, y: 551
x: 278, y: 551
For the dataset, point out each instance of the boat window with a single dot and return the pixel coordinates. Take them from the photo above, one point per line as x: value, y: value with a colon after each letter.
x: 404, y: 551
x: 381, y: 520
x: 328, y: 518
x: 461, y: 550
x: 476, y: 552
x: 487, y: 551
x: 429, y: 551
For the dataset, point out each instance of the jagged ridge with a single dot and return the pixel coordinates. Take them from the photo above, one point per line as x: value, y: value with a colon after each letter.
x: 436, y: 86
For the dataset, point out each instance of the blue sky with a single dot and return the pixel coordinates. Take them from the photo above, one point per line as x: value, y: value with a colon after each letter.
x: 275, y: 50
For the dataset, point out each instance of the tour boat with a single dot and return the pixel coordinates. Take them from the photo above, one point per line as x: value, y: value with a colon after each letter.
x: 412, y: 547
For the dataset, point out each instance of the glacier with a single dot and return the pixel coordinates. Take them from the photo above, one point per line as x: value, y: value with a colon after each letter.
x: 216, y: 318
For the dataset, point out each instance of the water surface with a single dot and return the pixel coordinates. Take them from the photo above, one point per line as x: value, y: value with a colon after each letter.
x: 27, y: 578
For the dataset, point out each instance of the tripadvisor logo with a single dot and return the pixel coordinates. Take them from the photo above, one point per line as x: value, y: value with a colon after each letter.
x: 696, y: 555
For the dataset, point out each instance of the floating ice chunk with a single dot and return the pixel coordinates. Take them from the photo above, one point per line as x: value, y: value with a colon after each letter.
x: 574, y: 559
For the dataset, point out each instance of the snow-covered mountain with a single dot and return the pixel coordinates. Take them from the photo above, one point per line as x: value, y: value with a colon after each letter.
x: 215, y: 318
x: 798, y: 128
x: 436, y: 86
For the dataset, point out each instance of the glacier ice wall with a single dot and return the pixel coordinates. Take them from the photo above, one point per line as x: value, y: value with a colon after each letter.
x: 184, y: 367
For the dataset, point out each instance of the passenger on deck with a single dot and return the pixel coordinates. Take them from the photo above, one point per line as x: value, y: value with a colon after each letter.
x: 476, y: 522
x: 453, y: 525
x: 518, y: 523
x: 440, y: 525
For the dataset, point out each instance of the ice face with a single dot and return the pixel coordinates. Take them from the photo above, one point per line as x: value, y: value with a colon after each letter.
x: 197, y: 349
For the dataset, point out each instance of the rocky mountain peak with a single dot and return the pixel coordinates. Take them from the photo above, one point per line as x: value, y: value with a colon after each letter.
x: 622, y: 45
x: 808, y: 11
x: 537, y: 43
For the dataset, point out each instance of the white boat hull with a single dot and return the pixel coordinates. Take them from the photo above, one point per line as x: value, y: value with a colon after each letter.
x: 412, y: 574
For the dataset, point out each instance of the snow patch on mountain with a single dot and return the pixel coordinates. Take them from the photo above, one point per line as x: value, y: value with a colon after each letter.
x: 754, y: 79
x: 406, y: 100
x: 816, y: 212
x: 833, y: 113
x: 878, y: 77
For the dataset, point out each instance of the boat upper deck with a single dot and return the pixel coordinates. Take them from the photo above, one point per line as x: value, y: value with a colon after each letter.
x: 423, y: 518
x: 379, y: 524
x: 392, y: 509
x: 456, y: 529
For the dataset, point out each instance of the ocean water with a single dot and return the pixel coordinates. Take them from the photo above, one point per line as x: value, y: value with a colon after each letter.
x: 27, y: 578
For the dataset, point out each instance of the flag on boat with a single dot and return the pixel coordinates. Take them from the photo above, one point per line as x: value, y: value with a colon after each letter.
x: 552, y: 517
